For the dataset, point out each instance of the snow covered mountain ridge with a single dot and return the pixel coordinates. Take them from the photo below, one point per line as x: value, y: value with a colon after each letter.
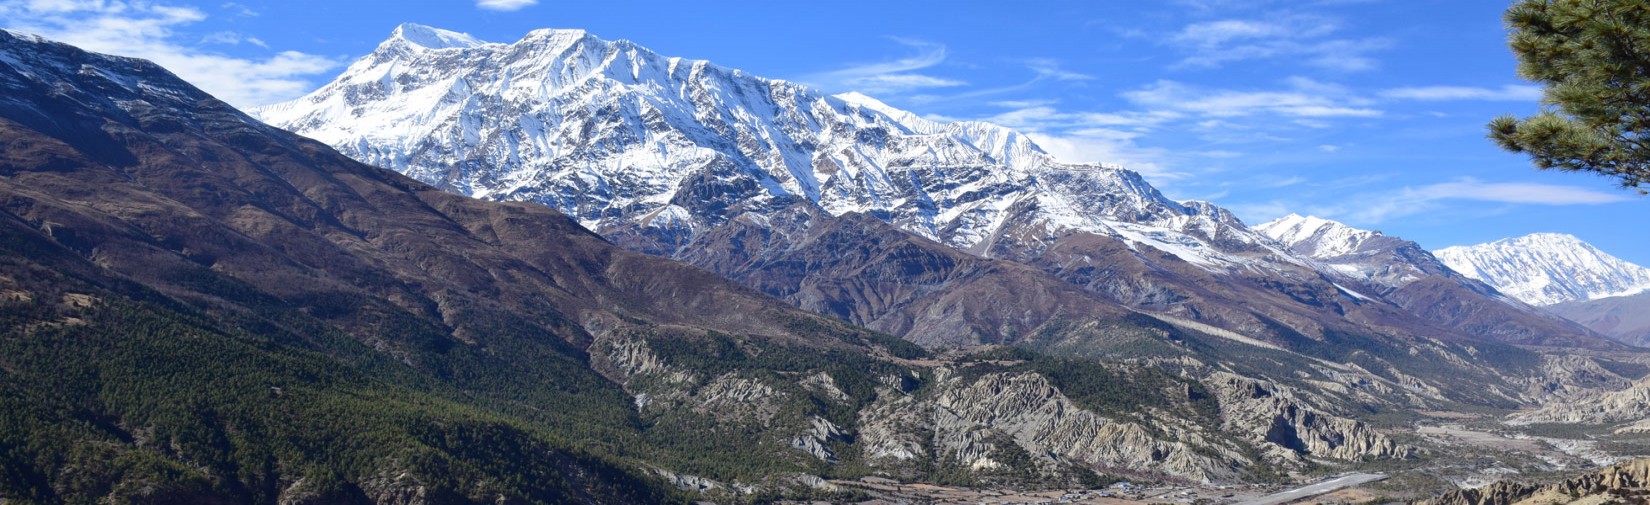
x: 631, y: 142
x: 1547, y: 268
x: 1321, y: 238
x: 1370, y: 256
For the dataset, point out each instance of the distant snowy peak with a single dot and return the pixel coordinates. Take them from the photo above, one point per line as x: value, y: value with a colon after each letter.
x: 1366, y: 255
x: 1547, y: 268
x: 1316, y: 237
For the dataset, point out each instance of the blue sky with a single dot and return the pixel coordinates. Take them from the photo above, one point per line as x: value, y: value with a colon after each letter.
x: 1366, y: 111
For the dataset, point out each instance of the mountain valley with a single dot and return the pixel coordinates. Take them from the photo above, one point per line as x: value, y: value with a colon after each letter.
x: 567, y: 269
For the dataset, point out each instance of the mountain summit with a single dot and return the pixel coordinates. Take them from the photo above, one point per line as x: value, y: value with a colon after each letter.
x: 1548, y: 268
x: 431, y: 38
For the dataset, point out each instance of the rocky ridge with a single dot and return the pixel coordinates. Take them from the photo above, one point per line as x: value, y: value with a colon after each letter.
x: 1627, y: 482
x: 1624, y: 318
x: 980, y: 424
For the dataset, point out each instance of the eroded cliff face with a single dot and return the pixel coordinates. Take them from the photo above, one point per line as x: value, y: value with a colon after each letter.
x: 1288, y: 428
x: 1563, y: 379
x: 988, y: 422
x: 1626, y: 405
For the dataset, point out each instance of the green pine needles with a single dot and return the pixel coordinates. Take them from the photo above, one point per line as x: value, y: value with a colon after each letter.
x: 1594, y: 58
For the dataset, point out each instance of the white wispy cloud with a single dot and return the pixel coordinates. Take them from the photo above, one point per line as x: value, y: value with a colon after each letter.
x: 1282, y: 182
x: 1044, y: 118
x: 1048, y: 68
x: 890, y: 77
x: 1516, y: 192
x: 1210, y: 6
x: 1254, y: 213
x: 1306, y: 38
x: 1021, y: 104
x: 1214, y: 34
x: 1414, y: 200
x: 505, y: 5
x: 232, y: 38
x: 239, y: 10
x: 150, y: 31
x: 897, y: 82
x: 1510, y: 93
x: 899, y: 77
x: 1303, y: 98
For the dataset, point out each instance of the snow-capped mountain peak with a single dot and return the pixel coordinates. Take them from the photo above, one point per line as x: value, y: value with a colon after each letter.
x: 1548, y: 268
x: 432, y: 38
x: 622, y: 138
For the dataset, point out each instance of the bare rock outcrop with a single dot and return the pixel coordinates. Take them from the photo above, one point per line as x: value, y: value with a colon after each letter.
x: 1625, y: 405
x: 966, y: 421
x: 820, y: 432
x: 1288, y: 428
x: 735, y: 397
x: 1567, y: 377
